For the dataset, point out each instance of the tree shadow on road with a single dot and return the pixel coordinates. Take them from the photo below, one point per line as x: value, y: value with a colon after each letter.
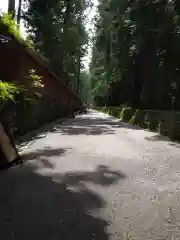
x: 175, y: 144
x: 36, y: 134
x: 42, y: 155
x: 157, y: 137
x: 103, y: 175
x: 87, y: 125
x: 36, y: 206
x: 160, y: 138
x: 81, y: 125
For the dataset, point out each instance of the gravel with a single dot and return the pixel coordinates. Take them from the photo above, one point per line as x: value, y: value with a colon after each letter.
x: 93, y: 177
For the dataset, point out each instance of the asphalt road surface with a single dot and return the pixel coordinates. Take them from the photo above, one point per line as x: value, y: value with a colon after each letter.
x: 93, y: 178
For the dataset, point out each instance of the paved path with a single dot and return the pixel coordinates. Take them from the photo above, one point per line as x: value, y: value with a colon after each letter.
x: 93, y: 178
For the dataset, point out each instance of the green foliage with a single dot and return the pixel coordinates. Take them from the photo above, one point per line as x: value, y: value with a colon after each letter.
x: 13, y: 28
x: 8, y: 91
x: 35, y: 83
x: 29, y: 43
x: 135, y: 55
x: 11, y: 25
x: 13, y: 91
x: 35, y: 79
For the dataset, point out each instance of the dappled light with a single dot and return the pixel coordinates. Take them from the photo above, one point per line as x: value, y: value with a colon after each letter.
x: 92, y: 125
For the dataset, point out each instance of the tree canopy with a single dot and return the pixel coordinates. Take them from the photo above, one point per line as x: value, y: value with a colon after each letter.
x: 57, y: 30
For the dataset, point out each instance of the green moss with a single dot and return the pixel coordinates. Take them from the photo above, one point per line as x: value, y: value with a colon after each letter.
x: 147, y: 119
x: 132, y: 120
x: 126, y: 114
x: 138, y: 118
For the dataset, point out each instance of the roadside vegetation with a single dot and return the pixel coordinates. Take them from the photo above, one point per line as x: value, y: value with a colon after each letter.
x: 166, y: 123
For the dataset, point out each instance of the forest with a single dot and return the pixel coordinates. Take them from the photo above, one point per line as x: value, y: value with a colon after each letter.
x: 136, y: 52
x: 133, y: 53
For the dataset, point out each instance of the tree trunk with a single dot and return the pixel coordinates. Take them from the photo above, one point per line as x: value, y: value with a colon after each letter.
x: 67, y: 19
x: 19, y: 13
x: 137, y: 80
x: 11, y: 7
x: 78, y: 74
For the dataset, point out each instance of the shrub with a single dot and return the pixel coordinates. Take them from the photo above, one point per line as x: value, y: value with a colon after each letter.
x: 138, y: 118
x: 8, y: 91
x: 166, y: 122
x: 113, y: 111
x: 126, y: 114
